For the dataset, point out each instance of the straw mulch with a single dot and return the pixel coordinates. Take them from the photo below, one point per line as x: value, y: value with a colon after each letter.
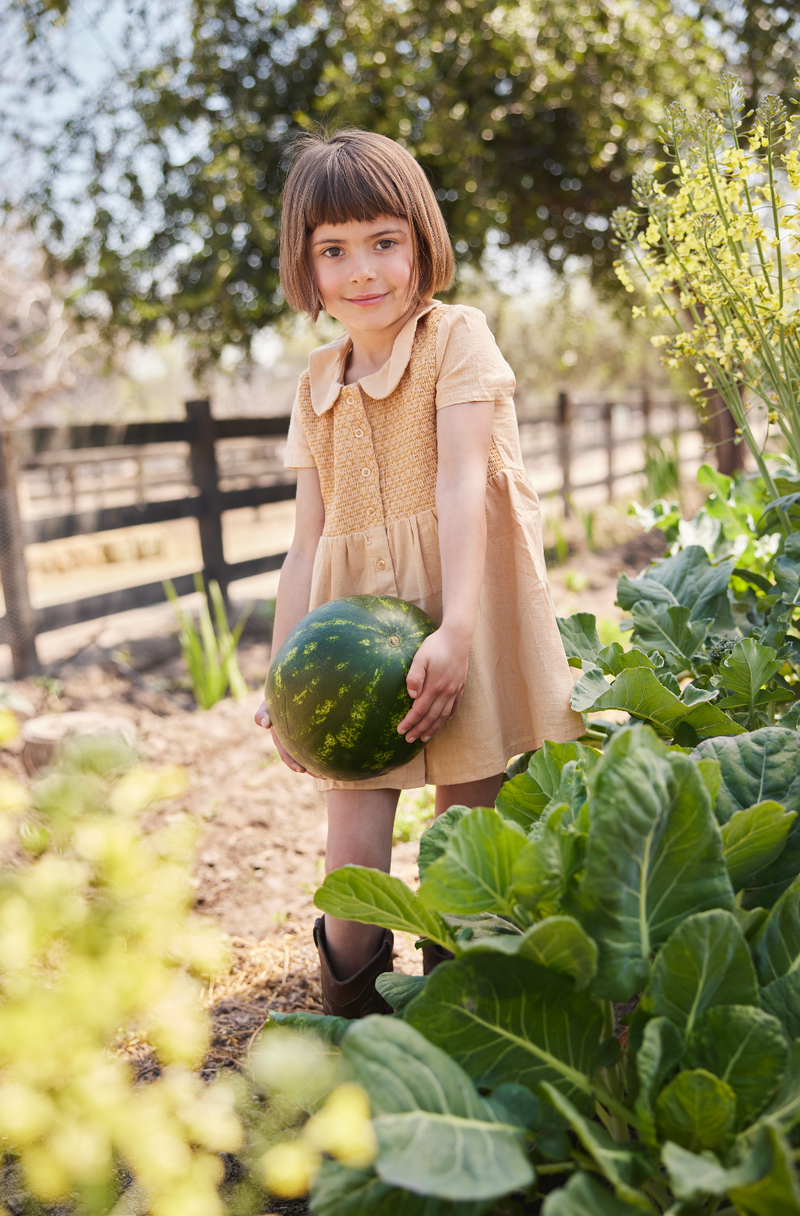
x: 280, y: 973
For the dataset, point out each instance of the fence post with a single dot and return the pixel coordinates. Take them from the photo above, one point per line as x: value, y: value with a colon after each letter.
x: 204, y: 476
x: 608, y: 428
x: 646, y: 410
x: 20, y: 616
x: 565, y: 449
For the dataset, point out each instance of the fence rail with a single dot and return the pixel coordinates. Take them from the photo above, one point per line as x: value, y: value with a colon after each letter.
x: 40, y: 450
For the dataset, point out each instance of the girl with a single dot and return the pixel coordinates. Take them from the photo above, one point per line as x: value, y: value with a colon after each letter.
x: 410, y: 483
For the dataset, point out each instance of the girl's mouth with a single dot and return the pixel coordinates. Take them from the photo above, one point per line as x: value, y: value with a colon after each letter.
x: 364, y: 301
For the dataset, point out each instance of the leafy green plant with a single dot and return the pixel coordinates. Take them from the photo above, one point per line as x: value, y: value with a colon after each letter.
x: 97, y: 941
x: 662, y: 468
x: 208, y: 652
x: 642, y: 874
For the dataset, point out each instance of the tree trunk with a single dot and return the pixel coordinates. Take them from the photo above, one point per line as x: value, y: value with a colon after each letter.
x: 722, y: 427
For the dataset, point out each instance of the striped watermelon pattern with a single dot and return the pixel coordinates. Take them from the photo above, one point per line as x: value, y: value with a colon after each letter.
x: 336, y: 689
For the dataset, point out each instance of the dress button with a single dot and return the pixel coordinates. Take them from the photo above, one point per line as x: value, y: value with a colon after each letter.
x: 359, y: 434
x: 370, y: 510
x: 381, y: 564
x: 365, y: 473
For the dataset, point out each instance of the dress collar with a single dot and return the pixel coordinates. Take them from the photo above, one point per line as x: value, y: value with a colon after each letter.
x: 326, y: 365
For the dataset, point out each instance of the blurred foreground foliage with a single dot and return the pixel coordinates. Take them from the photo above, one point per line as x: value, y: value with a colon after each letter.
x: 97, y: 940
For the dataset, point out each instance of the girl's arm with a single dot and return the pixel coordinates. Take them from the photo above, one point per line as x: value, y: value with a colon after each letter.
x: 294, y: 589
x: 439, y: 670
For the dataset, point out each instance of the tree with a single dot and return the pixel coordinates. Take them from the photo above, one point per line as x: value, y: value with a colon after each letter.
x: 529, y: 121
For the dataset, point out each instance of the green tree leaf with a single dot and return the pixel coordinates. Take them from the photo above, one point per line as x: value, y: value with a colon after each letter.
x: 744, y: 1047
x: 501, y: 1023
x: 653, y: 856
x: 706, y: 962
x: 375, y: 898
x: 579, y: 635
x: 341, y: 1191
x: 436, y: 1134
x: 753, y: 838
x: 668, y: 629
x: 559, y: 943
x: 687, y: 580
x: 585, y: 1196
x: 474, y: 873
x: 696, y: 1110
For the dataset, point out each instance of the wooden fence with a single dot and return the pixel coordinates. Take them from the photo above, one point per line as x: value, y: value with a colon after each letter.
x: 38, y: 450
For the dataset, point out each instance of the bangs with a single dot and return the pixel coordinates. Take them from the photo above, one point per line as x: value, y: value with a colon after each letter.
x: 356, y: 176
x: 341, y: 192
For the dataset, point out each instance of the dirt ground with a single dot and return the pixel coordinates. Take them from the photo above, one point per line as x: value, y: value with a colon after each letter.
x: 262, y: 845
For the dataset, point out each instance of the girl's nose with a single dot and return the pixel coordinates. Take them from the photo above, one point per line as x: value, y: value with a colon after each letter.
x: 362, y: 273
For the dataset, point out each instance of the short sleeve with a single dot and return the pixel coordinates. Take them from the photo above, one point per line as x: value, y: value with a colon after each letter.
x: 468, y: 362
x: 298, y: 453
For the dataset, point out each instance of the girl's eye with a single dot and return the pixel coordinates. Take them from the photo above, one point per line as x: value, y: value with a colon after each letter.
x: 332, y: 252
x: 386, y: 243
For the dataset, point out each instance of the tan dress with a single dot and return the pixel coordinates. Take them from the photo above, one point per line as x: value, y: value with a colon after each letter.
x: 374, y: 445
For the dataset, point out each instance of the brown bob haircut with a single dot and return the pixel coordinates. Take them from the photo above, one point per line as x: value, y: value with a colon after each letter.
x: 358, y: 176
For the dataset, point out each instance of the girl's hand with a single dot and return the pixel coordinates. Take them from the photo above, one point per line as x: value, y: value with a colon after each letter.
x: 261, y: 718
x: 435, y: 682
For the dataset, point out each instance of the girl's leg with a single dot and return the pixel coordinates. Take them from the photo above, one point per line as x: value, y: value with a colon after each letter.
x: 360, y: 826
x: 469, y: 793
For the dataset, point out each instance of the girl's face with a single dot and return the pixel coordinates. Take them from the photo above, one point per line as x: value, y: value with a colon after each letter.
x: 363, y: 271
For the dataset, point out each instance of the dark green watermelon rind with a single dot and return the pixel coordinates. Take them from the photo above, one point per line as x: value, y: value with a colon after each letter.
x: 343, y: 737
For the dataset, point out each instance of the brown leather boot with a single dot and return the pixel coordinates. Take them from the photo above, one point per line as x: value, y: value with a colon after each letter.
x: 432, y: 955
x: 355, y: 997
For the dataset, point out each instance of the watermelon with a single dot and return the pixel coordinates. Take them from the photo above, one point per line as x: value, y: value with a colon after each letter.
x: 336, y: 689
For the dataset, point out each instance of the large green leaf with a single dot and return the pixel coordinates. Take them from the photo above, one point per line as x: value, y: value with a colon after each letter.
x: 588, y: 690
x: 744, y: 1047
x: 756, y: 767
x: 784, y: 1109
x: 745, y: 671
x: 694, y: 1176
x: 776, y: 1191
x: 549, y: 862
x: 474, y: 873
x: 579, y: 635
x: 332, y: 1029
x: 781, y: 998
x: 640, y: 693
x: 398, y: 989
x: 696, y: 1109
x: 436, y: 1134
x: 668, y: 629
x: 754, y: 838
x: 706, y: 962
x: 762, y: 765
x: 777, y: 950
x: 434, y: 840
x: 613, y: 659
x: 375, y: 898
x: 687, y: 580
x: 585, y: 1196
x: 518, y: 1023
x: 656, y: 1060
x: 523, y: 798
x: 624, y: 1165
x: 653, y: 856
x: 559, y: 943
x: 341, y: 1191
